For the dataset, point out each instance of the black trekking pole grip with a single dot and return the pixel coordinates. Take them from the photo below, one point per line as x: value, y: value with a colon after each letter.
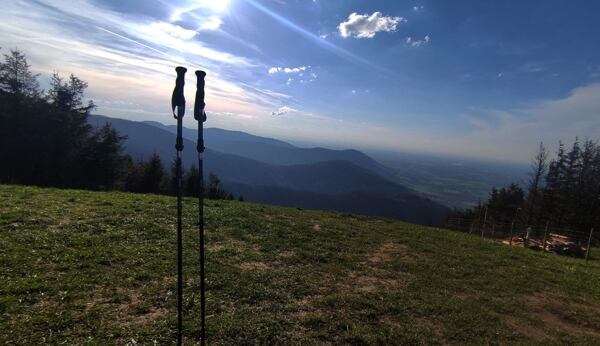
x: 199, y: 106
x: 178, y: 101
x: 178, y: 98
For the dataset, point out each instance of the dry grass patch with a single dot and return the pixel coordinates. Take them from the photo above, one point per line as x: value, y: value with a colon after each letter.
x: 556, y: 313
x: 360, y: 283
x: 286, y: 254
x: 254, y: 266
x: 232, y: 244
x: 389, y: 251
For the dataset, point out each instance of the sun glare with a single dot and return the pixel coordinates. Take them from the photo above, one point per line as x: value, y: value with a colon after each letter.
x: 217, y: 5
x: 212, y: 6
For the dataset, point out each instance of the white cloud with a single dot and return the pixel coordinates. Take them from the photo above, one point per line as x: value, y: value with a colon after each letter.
x: 283, y: 111
x: 214, y: 6
x: 418, y: 43
x: 212, y: 23
x: 302, y: 74
x: 172, y: 30
x: 288, y: 70
x: 418, y: 8
x: 366, y: 26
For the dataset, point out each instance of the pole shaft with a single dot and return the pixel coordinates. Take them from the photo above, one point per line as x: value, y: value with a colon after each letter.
x: 200, y: 116
x: 178, y: 102
x: 179, y: 251
x: 201, y: 236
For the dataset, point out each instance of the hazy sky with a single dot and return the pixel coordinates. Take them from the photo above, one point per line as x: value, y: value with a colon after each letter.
x: 476, y: 78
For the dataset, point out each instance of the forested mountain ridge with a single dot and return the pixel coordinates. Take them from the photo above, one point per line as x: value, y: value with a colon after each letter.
x: 334, y: 185
x: 275, y: 151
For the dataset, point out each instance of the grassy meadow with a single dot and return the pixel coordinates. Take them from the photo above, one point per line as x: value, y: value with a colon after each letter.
x: 80, y: 267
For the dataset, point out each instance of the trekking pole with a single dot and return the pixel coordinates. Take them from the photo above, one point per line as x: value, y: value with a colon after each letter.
x: 200, y: 116
x: 178, y: 101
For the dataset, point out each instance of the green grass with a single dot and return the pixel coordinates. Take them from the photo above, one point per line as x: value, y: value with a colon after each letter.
x: 81, y: 267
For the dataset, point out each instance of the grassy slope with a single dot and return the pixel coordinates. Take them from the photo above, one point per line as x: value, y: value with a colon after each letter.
x: 91, y: 267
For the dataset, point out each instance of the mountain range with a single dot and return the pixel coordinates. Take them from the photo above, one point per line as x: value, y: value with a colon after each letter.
x: 271, y: 171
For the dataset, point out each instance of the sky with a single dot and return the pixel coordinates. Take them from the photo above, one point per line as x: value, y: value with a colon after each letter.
x: 485, y: 79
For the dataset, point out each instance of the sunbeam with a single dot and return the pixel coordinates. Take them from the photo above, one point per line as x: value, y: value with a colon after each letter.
x: 339, y: 51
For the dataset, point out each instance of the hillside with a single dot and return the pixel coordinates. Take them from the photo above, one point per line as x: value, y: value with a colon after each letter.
x: 277, y: 152
x: 340, y: 185
x: 99, y: 268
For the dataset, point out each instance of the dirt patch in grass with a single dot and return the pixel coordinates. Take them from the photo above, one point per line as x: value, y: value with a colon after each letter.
x: 376, y: 278
x: 435, y: 328
x: 286, y: 254
x: 146, y: 318
x: 216, y: 247
x: 389, y: 251
x: 64, y: 220
x: 233, y: 245
x: 557, y: 313
x: 306, y: 312
x: 316, y: 227
x: 303, y: 309
x: 129, y: 309
x: 526, y: 328
x: 461, y: 295
x: 254, y: 266
x: 375, y: 284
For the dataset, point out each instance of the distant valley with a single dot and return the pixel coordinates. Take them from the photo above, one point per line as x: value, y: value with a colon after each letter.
x: 453, y: 181
x: 411, y: 187
x: 269, y: 171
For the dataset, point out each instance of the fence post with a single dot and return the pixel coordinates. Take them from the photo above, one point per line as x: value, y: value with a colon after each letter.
x: 587, y: 251
x: 527, y: 235
x: 512, y: 227
x: 484, y: 221
x: 545, y: 236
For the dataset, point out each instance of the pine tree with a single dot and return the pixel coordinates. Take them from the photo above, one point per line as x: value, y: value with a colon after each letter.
x: 173, y: 185
x: 504, y: 203
x: 539, y: 167
x: 20, y: 105
x: 192, y: 182
x: 101, y: 161
x: 152, y: 175
x: 214, y: 188
x: 572, y: 175
x: 555, y: 187
x: 16, y: 77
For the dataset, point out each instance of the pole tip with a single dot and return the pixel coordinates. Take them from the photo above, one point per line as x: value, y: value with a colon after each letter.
x: 200, y: 74
x: 180, y: 69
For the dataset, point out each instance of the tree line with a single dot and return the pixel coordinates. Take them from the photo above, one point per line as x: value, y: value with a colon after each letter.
x: 563, y: 191
x: 46, y: 140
